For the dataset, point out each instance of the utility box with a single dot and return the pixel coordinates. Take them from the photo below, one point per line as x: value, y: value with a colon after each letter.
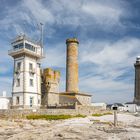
x: 115, y: 107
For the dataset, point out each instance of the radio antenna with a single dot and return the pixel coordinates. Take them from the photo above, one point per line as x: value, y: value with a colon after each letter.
x: 41, y: 39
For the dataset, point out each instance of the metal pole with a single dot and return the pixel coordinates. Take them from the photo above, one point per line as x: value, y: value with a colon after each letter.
x: 115, y: 118
x: 41, y: 38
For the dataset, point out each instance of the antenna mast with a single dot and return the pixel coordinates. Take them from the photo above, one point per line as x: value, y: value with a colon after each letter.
x: 41, y: 40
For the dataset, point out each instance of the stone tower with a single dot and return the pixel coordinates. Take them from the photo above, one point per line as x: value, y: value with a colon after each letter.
x: 72, y: 65
x: 26, y: 89
x: 50, y: 87
x: 51, y: 79
x: 137, y: 81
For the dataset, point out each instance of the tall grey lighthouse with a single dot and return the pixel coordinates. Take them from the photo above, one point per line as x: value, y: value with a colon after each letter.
x: 137, y: 81
x: 26, y: 89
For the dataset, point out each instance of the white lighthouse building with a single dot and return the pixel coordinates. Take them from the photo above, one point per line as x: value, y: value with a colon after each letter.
x: 26, y: 89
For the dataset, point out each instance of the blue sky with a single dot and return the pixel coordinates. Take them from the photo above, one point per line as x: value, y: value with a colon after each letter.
x: 108, y: 32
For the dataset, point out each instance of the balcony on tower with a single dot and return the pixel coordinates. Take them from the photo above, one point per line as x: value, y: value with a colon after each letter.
x: 23, y: 45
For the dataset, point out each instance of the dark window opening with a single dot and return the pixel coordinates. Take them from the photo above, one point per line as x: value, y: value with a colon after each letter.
x: 18, y: 46
x: 17, y: 100
x: 29, y: 47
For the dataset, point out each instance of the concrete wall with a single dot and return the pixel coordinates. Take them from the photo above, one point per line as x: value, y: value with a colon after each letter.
x: 4, y: 103
x: 84, y: 100
x: 53, y: 99
x: 130, y: 107
x: 25, y: 91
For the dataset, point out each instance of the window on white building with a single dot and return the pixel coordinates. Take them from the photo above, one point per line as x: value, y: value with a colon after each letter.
x: 39, y: 101
x: 31, y: 82
x: 19, y: 46
x: 17, y: 100
x: 18, y: 82
x: 18, y: 65
x: 31, y: 74
x: 31, y: 101
x: 30, y: 66
x: 29, y: 47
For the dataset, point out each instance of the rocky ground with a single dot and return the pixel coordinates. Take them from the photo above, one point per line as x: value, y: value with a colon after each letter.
x: 89, y: 128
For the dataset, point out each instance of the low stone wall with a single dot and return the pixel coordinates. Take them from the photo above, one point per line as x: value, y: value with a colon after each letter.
x: 18, y: 113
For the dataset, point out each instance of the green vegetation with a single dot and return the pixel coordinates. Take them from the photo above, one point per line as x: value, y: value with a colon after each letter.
x: 96, y: 121
x: 101, y: 114
x: 52, y: 117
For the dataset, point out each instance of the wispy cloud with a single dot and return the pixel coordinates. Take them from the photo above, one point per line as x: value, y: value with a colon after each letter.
x: 38, y: 11
x: 83, y: 13
x: 121, y: 53
x: 55, y: 55
x: 107, y: 49
x: 111, y: 60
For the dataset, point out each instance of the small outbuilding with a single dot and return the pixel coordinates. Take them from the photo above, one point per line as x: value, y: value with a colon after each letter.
x: 5, y: 102
x: 131, y: 107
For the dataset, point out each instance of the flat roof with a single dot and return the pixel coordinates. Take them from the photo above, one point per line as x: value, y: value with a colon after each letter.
x: 74, y: 93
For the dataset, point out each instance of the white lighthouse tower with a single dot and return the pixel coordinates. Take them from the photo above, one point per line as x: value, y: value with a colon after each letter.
x: 26, y: 89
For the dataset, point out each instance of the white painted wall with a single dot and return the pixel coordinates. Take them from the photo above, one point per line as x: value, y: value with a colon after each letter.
x: 29, y: 91
x: 84, y: 100
x: 4, y: 103
x: 130, y: 107
x: 34, y: 76
x: 19, y: 75
x: 36, y: 99
x: 20, y: 95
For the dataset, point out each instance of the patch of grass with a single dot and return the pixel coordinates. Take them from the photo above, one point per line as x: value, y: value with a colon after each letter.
x: 96, y: 121
x: 108, y: 113
x: 97, y: 115
x: 52, y: 117
x: 80, y: 116
x: 101, y: 114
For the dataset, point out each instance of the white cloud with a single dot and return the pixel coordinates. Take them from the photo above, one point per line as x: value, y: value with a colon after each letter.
x: 113, y: 60
x: 114, y: 55
x: 39, y: 11
x: 107, y: 90
x: 85, y: 12
x: 103, y: 13
x: 97, y: 83
x: 110, y: 57
x: 97, y: 14
x: 55, y: 56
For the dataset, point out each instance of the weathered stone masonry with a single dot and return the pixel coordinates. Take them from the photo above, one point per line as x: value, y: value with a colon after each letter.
x: 72, y: 65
